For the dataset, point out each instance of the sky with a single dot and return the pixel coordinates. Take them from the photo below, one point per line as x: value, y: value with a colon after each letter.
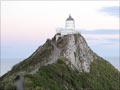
x: 25, y: 25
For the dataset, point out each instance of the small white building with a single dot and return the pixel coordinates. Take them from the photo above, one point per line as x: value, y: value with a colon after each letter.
x: 69, y: 28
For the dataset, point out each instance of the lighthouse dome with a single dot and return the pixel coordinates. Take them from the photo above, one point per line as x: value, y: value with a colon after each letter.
x: 69, y: 18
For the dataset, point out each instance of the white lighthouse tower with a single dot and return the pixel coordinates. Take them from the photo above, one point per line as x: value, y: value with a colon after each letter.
x: 69, y: 28
x: 70, y: 23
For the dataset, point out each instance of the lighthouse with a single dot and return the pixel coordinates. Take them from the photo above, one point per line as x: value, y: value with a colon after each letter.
x: 69, y: 28
x: 70, y: 23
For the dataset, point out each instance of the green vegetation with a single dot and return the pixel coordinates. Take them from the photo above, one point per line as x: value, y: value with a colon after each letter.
x: 59, y: 76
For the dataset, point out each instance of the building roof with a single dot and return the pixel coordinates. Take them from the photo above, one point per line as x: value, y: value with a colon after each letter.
x: 69, y: 18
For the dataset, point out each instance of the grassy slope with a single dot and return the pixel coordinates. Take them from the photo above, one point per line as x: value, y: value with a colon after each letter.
x: 103, y: 76
x: 7, y: 80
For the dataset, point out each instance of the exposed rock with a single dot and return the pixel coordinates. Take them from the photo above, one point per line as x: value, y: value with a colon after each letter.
x: 77, y: 52
x: 19, y: 82
x: 73, y: 47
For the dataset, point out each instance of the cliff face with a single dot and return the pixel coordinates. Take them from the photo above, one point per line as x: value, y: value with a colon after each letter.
x: 69, y: 51
x: 78, y: 53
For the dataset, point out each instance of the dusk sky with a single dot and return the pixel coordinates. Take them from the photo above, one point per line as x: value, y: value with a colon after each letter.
x: 25, y: 25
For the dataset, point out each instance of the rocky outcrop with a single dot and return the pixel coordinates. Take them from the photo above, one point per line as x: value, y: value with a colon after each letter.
x: 78, y: 54
x: 73, y: 47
